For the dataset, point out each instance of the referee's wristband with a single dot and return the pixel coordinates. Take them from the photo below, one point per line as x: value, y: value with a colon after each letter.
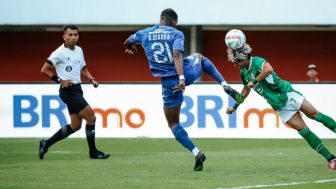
x: 255, y: 81
x: 56, y: 78
x: 181, y: 77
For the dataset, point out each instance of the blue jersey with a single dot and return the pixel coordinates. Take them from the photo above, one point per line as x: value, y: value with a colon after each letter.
x: 159, y: 42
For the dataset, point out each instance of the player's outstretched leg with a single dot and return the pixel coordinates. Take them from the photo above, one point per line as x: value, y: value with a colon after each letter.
x: 90, y: 137
x: 234, y: 94
x: 326, y: 121
x: 62, y: 133
x: 182, y: 137
x: 209, y: 68
x: 319, y: 147
x: 330, y: 124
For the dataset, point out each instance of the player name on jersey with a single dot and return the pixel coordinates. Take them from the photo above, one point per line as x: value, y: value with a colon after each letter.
x: 158, y: 34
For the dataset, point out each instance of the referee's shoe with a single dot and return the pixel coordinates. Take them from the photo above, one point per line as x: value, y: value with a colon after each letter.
x: 42, y: 148
x: 98, y: 155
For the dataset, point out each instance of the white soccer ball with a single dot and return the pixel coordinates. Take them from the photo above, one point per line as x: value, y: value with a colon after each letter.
x: 235, y: 39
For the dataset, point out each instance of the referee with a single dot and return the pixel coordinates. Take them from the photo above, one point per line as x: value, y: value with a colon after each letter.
x: 68, y: 61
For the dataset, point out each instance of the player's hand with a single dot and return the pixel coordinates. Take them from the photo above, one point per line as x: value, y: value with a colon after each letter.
x: 131, y: 49
x: 230, y: 110
x: 66, y: 83
x: 94, y: 83
x: 250, y: 85
x: 128, y: 51
x: 180, y: 86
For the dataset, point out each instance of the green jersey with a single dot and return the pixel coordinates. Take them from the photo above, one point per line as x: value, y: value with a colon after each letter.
x: 272, y: 88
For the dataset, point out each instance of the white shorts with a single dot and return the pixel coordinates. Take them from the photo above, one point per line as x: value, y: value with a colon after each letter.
x: 292, y: 106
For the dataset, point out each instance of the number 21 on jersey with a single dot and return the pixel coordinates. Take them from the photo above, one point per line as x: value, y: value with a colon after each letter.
x: 162, y: 53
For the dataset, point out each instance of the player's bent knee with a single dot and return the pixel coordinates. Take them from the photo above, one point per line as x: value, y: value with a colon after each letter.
x: 75, y: 127
x: 91, y: 119
x: 312, y: 115
x: 173, y: 124
x: 198, y: 55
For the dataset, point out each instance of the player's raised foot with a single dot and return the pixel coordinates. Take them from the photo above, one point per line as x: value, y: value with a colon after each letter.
x: 234, y: 94
x: 42, y: 148
x: 332, y: 164
x: 199, y: 159
x: 98, y: 155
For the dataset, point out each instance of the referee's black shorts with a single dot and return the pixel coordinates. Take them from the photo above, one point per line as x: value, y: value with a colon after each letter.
x: 73, y: 98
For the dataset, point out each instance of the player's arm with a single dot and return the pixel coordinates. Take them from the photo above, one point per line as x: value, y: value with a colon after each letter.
x: 245, y: 92
x: 266, y: 70
x: 85, y: 71
x: 178, y: 62
x: 130, y: 47
x: 46, y: 70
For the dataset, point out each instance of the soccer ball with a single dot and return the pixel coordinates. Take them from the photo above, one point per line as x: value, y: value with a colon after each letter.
x: 235, y: 39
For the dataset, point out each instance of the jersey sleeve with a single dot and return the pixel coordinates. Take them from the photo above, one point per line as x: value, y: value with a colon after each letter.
x: 82, y: 58
x: 258, y: 63
x: 178, y: 43
x: 54, y: 58
x: 242, y: 77
x: 136, y: 38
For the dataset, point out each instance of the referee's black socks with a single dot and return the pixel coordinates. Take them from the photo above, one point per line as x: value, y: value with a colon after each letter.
x: 90, y: 137
x: 62, y: 133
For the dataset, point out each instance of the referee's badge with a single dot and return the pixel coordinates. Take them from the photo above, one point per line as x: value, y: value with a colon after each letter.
x: 68, y: 68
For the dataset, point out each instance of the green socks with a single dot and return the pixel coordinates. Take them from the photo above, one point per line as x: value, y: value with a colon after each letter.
x: 327, y: 121
x: 316, y: 143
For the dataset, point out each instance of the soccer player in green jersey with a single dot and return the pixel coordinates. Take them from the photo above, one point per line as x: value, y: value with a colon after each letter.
x: 257, y: 73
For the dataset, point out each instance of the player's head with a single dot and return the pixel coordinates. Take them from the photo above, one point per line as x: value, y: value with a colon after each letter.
x: 70, y: 35
x: 240, y: 56
x: 169, y: 17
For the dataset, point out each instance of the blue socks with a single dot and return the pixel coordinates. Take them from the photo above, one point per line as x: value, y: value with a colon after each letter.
x: 182, y: 137
x: 209, y: 68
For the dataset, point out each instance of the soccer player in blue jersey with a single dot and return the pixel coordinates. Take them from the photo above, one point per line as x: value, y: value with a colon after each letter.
x: 164, y: 45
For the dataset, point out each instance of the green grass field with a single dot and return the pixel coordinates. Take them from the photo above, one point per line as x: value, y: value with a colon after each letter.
x: 163, y: 163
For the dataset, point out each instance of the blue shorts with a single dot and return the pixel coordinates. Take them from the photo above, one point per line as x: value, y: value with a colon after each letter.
x: 192, y: 70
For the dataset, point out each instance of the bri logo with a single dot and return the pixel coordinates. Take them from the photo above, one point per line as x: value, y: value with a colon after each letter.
x: 28, y: 111
x: 203, y: 111
x: 261, y: 116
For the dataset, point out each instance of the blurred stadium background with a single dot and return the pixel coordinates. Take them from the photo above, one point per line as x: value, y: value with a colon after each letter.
x: 290, y: 34
x: 286, y: 32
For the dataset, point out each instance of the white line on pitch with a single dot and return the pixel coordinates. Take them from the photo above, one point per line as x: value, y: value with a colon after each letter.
x: 281, y: 184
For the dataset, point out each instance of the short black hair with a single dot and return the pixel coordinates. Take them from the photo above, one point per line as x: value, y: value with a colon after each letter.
x: 169, y: 15
x: 73, y: 27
